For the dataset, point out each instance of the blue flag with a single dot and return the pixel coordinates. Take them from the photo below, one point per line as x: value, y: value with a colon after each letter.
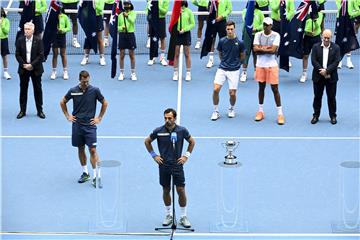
x: 153, y: 19
x: 51, y: 25
x: 284, y: 38
x: 116, y: 10
x: 27, y: 15
x: 87, y: 20
x: 247, y: 35
x: 344, y: 31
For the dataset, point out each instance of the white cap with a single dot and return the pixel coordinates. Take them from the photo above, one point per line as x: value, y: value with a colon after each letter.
x: 268, y: 21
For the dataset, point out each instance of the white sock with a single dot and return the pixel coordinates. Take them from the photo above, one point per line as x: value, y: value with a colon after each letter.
x: 122, y: 71
x: 261, y: 107
x: 199, y: 39
x: 211, y: 56
x: 188, y: 70
x: 54, y: 70
x: 182, y: 211
x: 231, y: 107
x: 175, y: 70
x: 94, y: 171
x: 216, y: 108
x: 279, y: 110
x: 133, y: 70
x: 85, y: 169
x: 101, y: 55
x: 348, y: 55
x: 244, y: 70
x: 168, y: 210
x: 98, y: 173
x: 304, y: 70
x: 162, y: 54
x: 5, y: 69
x: 65, y: 69
x: 75, y: 37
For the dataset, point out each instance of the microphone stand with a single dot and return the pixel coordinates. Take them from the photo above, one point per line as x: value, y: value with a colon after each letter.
x: 173, y: 226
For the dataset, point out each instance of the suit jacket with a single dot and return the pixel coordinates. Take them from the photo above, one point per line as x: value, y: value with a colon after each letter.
x: 37, y: 55
x: 333, y: 61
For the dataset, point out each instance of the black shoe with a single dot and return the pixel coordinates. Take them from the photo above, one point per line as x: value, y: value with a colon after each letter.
x: 314, y: 120
x: 333, y: 120
x: 41, y: 115
x: 84, y: 177
x: 21, y: 115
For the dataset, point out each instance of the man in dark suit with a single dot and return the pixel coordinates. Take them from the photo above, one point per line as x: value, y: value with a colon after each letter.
x: 30, y: 55
x: 325, y: 57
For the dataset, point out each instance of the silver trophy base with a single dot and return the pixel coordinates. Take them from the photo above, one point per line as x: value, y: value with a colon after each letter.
x: 230, y: 160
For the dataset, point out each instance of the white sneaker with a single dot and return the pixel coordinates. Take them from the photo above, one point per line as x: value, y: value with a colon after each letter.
x: 102, y: 61
x: 148, y: 43
x: 66, y: 75
x: 7, y: 76
x: 184, y: 221
x: 349, y: 64
x: 188, y: 76
x: 163, y: 62
x: 215, y: 116
x: 106, y: 42
x: 303, y: 77
x: 168, y: 220
x: 210, y: 63
x: 175, y: 76
x: 53, y: 75
x: 133, y: 77
x: 75, y: 43
x: 290, y: 65
x: 121, y: 76
x: 340, y: 65
x: 243, y: 76
x: 84, y: 61
x: 231, y: 113
x: 198, y: 45
x: 151, y: 61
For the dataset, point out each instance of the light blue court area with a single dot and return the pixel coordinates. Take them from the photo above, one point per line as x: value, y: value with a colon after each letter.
x: 297, y: 178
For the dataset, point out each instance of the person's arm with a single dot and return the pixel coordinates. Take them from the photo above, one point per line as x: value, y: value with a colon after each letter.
x: 182, y: 160
x: 333, y: 65
x: 68, y: 116
x: 151, y: 151
x: 18, y: 54
x: 97, y: 120
x: 315, y: 59
x: 39, y: 56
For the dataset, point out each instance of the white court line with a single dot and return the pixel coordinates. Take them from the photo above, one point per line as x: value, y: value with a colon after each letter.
x: 196, y: 137
x: 189, y: 234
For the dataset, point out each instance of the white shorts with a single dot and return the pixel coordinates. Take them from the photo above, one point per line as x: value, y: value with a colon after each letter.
x: 232, y: 77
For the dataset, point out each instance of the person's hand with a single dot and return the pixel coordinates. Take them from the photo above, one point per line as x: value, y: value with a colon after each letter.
x: 125, y: 14
x: 71, y: 118
x: 181, y: 31
x: 95, y: 120
x: 28, y: 66
x: 322, y: 71
x: 182, y: 160
x: 219, y: 18
x: 158, y: 159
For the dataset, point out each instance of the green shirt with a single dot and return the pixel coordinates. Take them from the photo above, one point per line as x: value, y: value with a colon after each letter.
x: 354, y: 8
x: 127, y: 24
x: 4, y: 28
x: 109, y: 1
x: 224, y: 8
x: 69, y: 1
x: 275, y: 9
x: 163, y: 7
x: 40, y: 7
x: 64, y: 24
x: 201, y: 3
x: 262, y: 3
x: 187, y: 20
x: 313, y: 27
x: 258, y: 20
x: 99, y: 7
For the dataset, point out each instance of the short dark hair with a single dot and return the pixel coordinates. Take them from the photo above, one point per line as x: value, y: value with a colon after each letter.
x: 229, y: 23
x: 3, y: 13
x: 83, y: 74
x: 170, y: 110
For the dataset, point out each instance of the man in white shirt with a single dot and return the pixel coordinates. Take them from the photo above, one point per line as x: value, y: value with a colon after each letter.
x: 266, y: 44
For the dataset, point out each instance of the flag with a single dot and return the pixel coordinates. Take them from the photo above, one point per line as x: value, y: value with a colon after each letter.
x: 176, y: 12
x: 87, y: 20
x: 292, y: 33
x: 210, y: 32
x: 113, y: 30
x: 153, y: 18
x: 27, y: 15
x: 247, y: 36
x: 51, y: 26
x: 344, y: 31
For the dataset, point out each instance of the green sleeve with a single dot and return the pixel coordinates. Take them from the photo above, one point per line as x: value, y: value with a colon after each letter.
x: 191, y: 23
x: 99, y: 7
x: 228, y: 9
x: 67, y: 27
x: 353, y: 8
x: 290, y: 9
x: 258, y: 20
x: 132, y: 17
x: 163, y: 7
x: 40, y: 6
x: 195, y: 2
x: 5, y: 26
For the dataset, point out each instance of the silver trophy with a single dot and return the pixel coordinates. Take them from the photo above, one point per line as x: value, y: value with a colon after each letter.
x: 230, y: 147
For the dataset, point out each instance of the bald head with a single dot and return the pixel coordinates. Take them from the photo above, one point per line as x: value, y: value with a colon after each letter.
x: 326, y: 37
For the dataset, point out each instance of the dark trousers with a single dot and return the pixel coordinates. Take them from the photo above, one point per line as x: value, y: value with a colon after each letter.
x: 24, y: 84
x: 154, y: 41
x: 331, y: 96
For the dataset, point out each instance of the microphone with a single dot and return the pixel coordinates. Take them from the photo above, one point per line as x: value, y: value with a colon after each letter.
x: 173, y: 138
